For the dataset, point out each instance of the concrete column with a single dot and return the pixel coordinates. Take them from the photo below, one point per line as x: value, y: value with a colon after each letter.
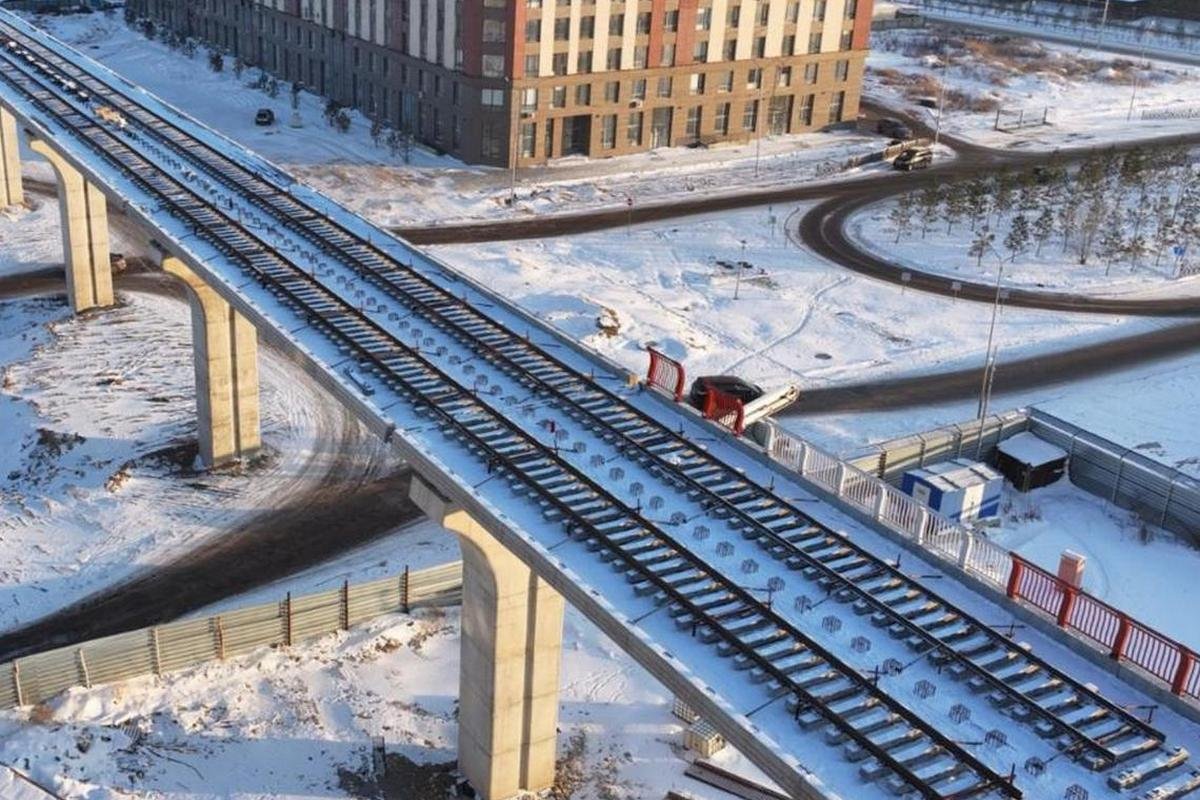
x: 511, y: 648
x: 84, y: 213
x: 11, y: 191
x: 225, y: 346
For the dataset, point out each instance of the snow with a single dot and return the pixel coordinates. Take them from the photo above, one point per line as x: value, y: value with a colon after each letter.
x: 1087, y: 93
x: 1130, y: 564
x: 1029, y: 449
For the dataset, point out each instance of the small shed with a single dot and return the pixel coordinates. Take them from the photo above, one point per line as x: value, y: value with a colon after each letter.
x: 1029, y: 462
x: 960, y: 489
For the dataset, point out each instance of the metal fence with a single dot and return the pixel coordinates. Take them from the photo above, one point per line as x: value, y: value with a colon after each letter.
x: 1157, y: 493
x: 890, y: 460
x: 163, y: 648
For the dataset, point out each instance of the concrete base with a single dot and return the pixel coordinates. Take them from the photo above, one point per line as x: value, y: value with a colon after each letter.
x: 84, y: 214
x: 511, y: 648
x: 225, y: 346
x: 11, y: 191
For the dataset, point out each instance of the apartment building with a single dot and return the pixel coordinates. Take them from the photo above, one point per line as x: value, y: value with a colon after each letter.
x: 490, y: 81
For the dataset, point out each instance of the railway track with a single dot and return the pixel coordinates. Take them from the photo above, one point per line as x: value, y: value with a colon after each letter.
x: 482, y: 384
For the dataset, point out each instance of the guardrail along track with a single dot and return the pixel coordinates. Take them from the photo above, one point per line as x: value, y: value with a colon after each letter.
x: 822, y: 688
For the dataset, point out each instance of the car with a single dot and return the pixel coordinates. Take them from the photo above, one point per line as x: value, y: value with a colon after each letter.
x: 893, y: 128
x: 913, y: 158
x: 264, y: 116
x: 729, y: 384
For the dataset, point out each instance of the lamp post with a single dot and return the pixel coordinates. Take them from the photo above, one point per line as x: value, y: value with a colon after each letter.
x: 515, y: 135
x: 937, y: 130
x: 989, y: 359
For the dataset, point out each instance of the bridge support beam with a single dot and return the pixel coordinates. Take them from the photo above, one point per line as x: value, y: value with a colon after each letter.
x: 11, y: 191
x: 511, y: 646
x: 84, y: 213
x: 225, y: 347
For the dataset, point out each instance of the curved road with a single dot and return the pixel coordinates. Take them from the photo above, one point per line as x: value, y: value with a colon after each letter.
x: 330, y: 505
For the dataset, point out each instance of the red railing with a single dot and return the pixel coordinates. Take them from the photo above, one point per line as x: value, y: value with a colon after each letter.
x: 725, y: 409
x: 666, y: 374
x: 1124, y: 638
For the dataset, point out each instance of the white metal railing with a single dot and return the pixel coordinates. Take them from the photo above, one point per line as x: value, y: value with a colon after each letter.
x: 891, y: 508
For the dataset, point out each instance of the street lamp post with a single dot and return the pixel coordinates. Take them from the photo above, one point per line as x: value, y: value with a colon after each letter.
x: 737, y: 285
x: 937, y: 130
x: 515, y: 135
x: 989, y: 359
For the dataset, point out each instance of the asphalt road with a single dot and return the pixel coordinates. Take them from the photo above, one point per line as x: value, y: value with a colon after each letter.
x: 333, y: 504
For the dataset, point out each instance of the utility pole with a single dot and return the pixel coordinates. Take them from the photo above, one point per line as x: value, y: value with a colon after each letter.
x: 515, y: 135
x: 937, y: 131
x: 989, y: 360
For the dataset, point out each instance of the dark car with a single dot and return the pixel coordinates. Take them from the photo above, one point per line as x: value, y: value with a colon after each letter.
x: 893, y: 128
x: 914, y: 158
x: 264, y: 116
x: 729, y: 384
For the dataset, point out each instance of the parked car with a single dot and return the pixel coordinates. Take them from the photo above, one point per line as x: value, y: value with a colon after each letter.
x: 893, y: 128
x: 264, y: 116
x: 914, y: 158
x: 729, y: 384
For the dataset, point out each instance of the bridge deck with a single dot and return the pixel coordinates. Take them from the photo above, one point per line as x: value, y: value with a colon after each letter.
x: 727, y: 580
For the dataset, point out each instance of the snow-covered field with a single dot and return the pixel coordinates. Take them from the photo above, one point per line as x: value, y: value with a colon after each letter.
x: 1086, y: 94
x: 796, y: 318
x: 298, y: 723
x: 1107, y: 233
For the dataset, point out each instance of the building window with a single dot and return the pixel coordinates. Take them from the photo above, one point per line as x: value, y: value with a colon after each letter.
x: 664, y: 86
x: 721, y: 120
x: 583, y: 94
x: 668, y: 55
x: 764, y: 13
x: 725, y: 81
x: 735, y: 16
x: 750, y: 115
x: 692, y: 129
x: 612, y: 92
x: 754, y: 78
x: 851, y: 9
x: 529, y: 99
x: 847, y: 40
x: 639, y: 57
x: 493, y: 66
x: 793, y: 12
x: 806, y: 110
x: 700, y: 51
x: 696, y: 83
x: 584, y: 62
x: 559, y: 63
x: 643, y: 22
x: 587, y: 27
x: 492, y: 98
x: 533, y: 65
x: 703, y: 19
x: 639, y: 89
x: 562, y: 29
x: 608, y: 132
x: 810, y: 73
x: 493, y: 30
x: 788, y: 47
x: 671, y: 20
x: 558, y: 97
x: 616, y: 24
x: 533, y: 30
x: 819, y: 10
x: 783, y: 77
x: 837, y: 106
x: 841, y: 70
x: 614, y: 58
x: 814, y: 42
x: 633, y: 131
x: 760, y: 46
x: 528, y: 139
x: 490, y: 140
x: 730, y: 50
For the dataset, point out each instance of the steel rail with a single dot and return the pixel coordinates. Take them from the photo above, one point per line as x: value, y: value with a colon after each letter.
x: 766, y: 533
x: 988, y: 778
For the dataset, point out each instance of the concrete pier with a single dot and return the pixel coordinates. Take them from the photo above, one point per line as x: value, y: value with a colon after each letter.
x: 11, y: 191
x: 511, y: 648
x: 84, y: 214
x: 225, y: 347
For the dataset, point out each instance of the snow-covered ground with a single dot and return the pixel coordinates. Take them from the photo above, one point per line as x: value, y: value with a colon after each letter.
x: 438, y: 188
x: 298, y: 723
x: 1085, y: 94
x: 796, y: 318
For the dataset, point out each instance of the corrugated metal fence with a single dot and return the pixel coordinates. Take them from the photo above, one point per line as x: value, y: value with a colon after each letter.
x: 1157, y: 493
x: 163, y: 648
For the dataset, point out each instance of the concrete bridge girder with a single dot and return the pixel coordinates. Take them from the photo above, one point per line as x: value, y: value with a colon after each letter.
x: 225, y: 349
x: 11, y: 190
x: 512, y: 622
x: 84, y: 212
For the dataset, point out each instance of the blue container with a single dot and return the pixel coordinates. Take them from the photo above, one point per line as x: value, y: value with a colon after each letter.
x: 961, y: 490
